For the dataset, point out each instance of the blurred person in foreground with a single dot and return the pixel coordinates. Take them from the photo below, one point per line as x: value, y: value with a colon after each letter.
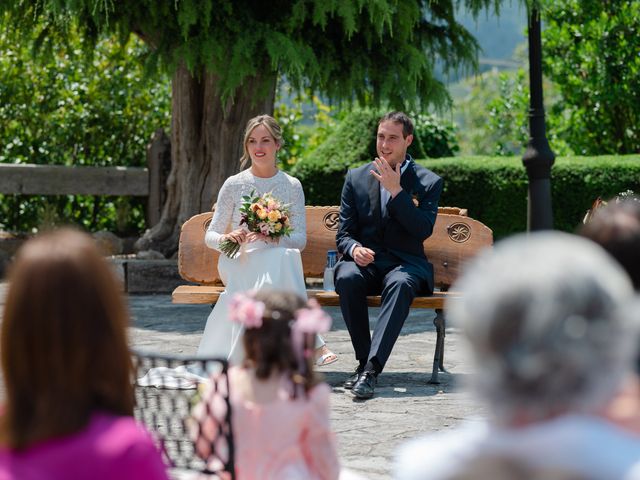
x: 538, y: 313
x: 616, y: 228
x: 499, y: 468
x: 68, y: 408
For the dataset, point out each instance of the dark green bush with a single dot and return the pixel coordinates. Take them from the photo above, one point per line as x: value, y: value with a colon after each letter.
x: 433, y: 137
x: 322, y: 172
x: 494, y: 189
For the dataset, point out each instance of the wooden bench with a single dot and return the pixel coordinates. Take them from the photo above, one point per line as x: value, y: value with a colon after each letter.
x: 456, y: 238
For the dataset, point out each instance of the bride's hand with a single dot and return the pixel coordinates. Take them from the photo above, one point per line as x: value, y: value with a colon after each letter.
x: 255, y: 237
x: 238, y: 235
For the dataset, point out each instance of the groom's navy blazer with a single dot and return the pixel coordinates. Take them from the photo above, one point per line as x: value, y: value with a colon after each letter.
x: 403, y: 228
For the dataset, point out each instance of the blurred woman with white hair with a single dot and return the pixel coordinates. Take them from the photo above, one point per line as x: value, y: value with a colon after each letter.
x: 538, y: 313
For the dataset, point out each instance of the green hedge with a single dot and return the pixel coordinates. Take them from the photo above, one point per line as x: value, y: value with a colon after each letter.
x: 494, y: 189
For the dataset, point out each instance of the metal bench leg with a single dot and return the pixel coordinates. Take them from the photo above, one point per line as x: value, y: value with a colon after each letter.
x: 438, y: 357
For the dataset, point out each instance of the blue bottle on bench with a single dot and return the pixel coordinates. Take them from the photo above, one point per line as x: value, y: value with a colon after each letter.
x: 332, y: 259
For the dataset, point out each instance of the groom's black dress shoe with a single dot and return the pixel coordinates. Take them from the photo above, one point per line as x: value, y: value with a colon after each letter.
x: 352, y: 379
x: 365, y: 385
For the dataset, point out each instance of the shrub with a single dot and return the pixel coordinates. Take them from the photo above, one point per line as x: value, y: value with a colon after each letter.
x: 591, y: 53
x: 433, y: 137
x: 67, y: 109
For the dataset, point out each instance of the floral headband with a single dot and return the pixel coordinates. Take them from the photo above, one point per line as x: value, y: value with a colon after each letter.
x: 246, y: 310
x: 308, y: 321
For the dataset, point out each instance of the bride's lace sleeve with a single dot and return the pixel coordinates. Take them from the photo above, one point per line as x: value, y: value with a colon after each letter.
x: 298, y: 238
x: 221, y: 216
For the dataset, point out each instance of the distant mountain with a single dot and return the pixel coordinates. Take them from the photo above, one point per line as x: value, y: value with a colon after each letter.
x: 498, y: 36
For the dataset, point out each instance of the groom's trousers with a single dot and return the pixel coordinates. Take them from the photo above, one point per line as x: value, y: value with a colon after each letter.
x: 397, y: 284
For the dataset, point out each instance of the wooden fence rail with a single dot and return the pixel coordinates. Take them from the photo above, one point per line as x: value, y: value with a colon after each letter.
x: 30, y: 179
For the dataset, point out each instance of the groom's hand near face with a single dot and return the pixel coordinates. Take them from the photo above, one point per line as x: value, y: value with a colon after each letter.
x: 388, y: 176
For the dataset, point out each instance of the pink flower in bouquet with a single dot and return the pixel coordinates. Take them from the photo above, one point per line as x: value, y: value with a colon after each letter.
x: 265, y: 228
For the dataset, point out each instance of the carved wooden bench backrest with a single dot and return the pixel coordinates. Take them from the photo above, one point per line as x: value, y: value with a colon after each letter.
x: 455, y: 238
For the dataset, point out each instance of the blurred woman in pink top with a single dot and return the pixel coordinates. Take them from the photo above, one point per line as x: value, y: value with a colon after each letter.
x: 68, y: 411
x: 280, y: 410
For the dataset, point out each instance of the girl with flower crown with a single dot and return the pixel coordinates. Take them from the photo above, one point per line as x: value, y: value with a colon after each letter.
x: 280, y: 410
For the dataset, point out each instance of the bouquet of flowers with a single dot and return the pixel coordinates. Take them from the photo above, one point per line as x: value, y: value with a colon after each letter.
x: 261, y: 214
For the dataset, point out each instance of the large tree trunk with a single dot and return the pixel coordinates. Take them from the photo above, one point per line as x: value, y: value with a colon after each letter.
x: 206, y: 145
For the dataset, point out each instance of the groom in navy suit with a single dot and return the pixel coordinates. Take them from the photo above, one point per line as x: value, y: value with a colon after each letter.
x: 380, y: 238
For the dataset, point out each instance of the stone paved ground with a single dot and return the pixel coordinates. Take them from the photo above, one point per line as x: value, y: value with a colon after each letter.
x: 369, y: 432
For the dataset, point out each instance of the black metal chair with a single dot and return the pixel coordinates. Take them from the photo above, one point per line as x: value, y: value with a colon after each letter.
x: 165, y: 409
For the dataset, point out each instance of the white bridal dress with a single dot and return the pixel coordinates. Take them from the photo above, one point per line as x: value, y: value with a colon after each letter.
x: 258, y: 265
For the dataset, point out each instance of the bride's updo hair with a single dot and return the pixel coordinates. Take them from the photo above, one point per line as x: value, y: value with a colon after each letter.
x: 269, y: 348
x: 272, y: 127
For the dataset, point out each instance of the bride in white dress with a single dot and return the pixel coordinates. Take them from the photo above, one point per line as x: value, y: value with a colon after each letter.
x: 262, y: 261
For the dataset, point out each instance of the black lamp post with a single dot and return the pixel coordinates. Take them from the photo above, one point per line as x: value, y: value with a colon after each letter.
x: 538, y: 157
